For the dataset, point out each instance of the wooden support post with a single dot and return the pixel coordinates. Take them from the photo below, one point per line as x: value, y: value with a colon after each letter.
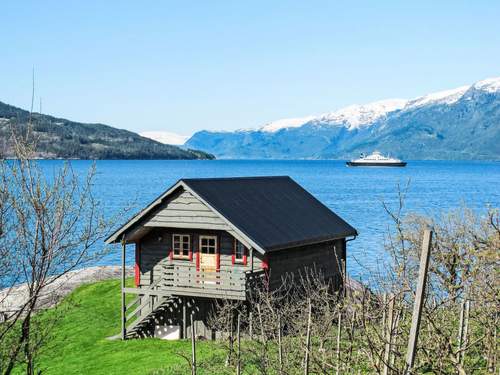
x: 465, y: 331
x: 280, y: 347
x: 251, y: 259
x: 384, y: 311
x: 339, y: 336
x: 419, y: 300
x: 231, y: 340
x: 124, y: 308
x: 184, y: 318
x: 344, y: 276
x: 384, y: 301
x: 238, y: 340
x: 460, y: 332
x: 250, y: 325
x: 308, y: 340
x: 263, y: 338
x: 351, y: 339
x: 262, y: 334
x: 392, y: 357
x: 388, y: 335
x: 493, y: 352
x: 193, y: 347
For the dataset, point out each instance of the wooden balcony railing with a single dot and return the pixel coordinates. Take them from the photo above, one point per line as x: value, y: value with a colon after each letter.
x: 185, y: 280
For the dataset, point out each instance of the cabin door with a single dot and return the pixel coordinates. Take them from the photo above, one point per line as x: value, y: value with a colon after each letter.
x: 208, y: 253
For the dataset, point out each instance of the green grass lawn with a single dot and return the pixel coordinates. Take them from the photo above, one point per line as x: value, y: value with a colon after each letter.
x: 92, y: 313
x: 79, y: 345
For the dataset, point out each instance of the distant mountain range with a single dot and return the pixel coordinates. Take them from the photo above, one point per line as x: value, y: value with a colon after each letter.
x: 462, y: 123
x: 61, y: 138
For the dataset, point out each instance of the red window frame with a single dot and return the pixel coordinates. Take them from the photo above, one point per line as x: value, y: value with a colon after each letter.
x: 265, y: 267
x: 198, y: 258
x: 217, y: 256
x: 242, y: 260
x: 265, y: 263
x: 189, y: 257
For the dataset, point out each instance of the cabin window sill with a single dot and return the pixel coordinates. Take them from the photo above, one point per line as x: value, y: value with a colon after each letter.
x: 181, y: 257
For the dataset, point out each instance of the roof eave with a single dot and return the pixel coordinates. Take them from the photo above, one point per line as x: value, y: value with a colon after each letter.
x: 120, y: 232
x: 315, y: 241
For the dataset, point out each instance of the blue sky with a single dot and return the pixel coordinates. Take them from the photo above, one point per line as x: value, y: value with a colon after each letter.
x: 182, y: 66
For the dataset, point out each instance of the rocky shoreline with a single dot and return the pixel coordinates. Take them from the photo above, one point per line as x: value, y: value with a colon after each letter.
x: 11, y: 299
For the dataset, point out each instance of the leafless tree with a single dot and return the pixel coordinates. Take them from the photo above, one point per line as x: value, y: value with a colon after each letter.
x: 50, y: 224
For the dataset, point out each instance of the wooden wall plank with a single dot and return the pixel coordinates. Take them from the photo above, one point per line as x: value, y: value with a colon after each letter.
x: 186, y: 209
x: 323, y: 258
x: 157, y: 244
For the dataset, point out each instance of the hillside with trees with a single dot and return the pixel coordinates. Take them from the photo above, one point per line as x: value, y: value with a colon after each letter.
x: 58, y: 138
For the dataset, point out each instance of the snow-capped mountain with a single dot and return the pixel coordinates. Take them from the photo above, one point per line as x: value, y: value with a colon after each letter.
x: 286, y: 123
x: 165, y: 137
x: 353, y: 116
x: 356, y: 116
x: 441, y: 97
x: 462, y: 123
x: 488, y: 85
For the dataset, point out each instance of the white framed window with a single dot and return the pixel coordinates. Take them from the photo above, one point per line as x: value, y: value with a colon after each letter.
x: 239, y: 252
x: 208, y: 244
x: 181, y: 246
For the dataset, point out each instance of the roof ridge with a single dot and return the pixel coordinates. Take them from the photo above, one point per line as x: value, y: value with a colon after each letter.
x: 233, y: 178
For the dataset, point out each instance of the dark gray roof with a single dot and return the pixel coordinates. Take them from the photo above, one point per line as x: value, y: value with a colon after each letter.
x: 275, y: 212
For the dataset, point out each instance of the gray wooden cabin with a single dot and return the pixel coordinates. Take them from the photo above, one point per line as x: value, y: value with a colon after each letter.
x: 207, y: 239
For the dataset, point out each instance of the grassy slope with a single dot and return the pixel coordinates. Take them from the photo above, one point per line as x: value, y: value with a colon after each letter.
x: 92, y: 313
x: 80, y: 345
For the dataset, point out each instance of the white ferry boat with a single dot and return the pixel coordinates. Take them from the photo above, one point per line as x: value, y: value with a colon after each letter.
x: 376, y: 160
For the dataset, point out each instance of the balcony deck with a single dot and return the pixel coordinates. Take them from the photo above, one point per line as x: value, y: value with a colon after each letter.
x: 185, y: 280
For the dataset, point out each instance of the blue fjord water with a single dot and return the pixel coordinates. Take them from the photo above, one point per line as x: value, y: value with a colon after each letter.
x: 356, y: 194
